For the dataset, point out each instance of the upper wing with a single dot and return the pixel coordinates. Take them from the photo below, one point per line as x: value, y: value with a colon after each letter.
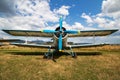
x: 93, y: 33
x: 28, y: 33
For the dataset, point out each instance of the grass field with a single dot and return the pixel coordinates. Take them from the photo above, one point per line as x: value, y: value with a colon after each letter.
x: 101, y: 63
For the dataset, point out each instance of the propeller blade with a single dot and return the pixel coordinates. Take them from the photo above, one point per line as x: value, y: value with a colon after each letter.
x: 60, y: 43
x: 49, y: 31
x: 72, y: 32
x: 60, y: 23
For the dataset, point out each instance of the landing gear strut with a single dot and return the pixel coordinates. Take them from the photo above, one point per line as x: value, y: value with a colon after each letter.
x: 49, y: 54
x: 73, y: 54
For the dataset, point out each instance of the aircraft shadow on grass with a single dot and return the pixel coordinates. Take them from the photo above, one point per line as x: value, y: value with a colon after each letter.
x: 56, y: 55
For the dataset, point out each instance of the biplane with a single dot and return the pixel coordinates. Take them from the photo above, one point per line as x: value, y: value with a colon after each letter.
x: 59, y: 36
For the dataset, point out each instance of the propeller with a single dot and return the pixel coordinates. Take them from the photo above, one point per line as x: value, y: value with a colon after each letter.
x: 49, y: 31
x: 60, y: 33
x: 60, y: 36
x: 60, y: 23
x: 72, y: 32
x: 60, y: 43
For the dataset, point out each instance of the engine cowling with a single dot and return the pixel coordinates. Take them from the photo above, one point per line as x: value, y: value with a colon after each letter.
x: 57, y: 34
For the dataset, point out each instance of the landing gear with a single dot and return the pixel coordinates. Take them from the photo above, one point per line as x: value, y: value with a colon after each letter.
x: 49, y: 54
x: 74, y: 55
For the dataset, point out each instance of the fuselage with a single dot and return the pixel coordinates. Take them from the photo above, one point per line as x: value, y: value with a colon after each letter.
x: 56, y: 38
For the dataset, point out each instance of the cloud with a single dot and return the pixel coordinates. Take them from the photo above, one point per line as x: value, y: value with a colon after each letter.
x: 7, y: 8
x: 38, y: 8
x: 36, y: 15
x: 63, y: 10
x: 111, y: 8
x: 29, y: 14
x: 87, y: 17
x: 75, y: 26
x: 104, y: 22
x: 109, y: 18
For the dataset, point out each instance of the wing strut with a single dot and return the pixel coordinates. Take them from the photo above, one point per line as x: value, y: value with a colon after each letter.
x: 94, y: 38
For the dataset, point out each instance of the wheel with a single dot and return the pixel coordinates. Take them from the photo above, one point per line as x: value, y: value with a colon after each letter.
x: 45, y: 56
x: 74, y: 55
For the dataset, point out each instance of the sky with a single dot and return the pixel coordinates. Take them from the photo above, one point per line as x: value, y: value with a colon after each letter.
x: 77, y: 15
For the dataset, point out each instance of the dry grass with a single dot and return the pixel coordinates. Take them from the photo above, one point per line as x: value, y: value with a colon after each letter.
x: 26, y: 66
x: 106, y: 47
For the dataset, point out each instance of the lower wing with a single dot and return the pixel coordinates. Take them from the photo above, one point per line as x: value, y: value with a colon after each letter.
x: 85, y: 45
x: 32, y: 45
